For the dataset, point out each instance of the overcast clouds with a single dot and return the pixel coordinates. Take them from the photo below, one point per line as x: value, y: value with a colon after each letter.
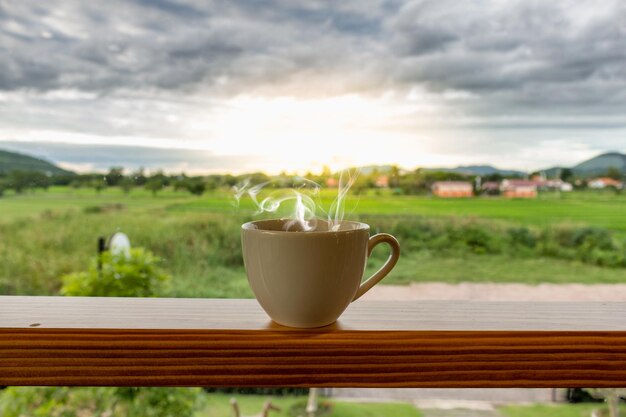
x: 518, y: 84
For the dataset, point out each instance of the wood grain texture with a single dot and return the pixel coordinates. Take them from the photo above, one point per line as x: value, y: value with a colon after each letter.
x: 200, y: 342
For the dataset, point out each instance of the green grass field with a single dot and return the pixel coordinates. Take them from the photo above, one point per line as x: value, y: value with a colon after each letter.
x: 218, y: 406
x: 556, y: 410
x: 65, y: 199
x: 46, y: 234
x: 603, y: 209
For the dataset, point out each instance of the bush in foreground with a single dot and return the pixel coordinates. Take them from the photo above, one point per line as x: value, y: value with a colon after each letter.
x: 118, y: 275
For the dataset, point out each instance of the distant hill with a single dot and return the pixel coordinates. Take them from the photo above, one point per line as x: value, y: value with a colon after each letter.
x: 480, y: 170
x: 600, y: 164
x: 464, y: 170
x: 13, y: 161
x: 593, y: 167
x: 554, y: 172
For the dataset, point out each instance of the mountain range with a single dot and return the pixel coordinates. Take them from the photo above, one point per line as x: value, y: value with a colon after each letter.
x: 599, y: 165
x: 480, y: 170
x: 13, y: 161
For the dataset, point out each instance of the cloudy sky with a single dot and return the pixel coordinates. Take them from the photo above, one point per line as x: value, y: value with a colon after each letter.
x: 206, y: 86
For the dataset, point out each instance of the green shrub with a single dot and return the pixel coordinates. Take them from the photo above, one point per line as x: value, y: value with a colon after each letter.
x: 456, y: 237
x: 474, y: 238
x: 136, y: 275
x: 522, y: 237
x: 592, y: 238
x: 203, y: 250
x: 99, y: 401
x: 602, y: 257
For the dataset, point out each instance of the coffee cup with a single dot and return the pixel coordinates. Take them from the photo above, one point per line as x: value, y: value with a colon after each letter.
x: 307, y: 279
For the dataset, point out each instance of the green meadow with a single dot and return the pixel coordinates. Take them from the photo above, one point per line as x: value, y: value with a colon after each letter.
x: 603, y: 209
x: 218, y: 405
x: 556, y: 410
x: 576, y: 237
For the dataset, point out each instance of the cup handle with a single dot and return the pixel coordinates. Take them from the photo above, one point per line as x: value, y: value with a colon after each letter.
x: 388, y: 265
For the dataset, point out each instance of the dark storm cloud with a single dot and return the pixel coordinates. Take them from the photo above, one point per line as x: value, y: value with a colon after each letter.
x: 516, y: 53
x: 558, y: 58
x: 172, y: 45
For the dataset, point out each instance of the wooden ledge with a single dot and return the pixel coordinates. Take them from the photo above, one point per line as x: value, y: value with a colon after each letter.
x: 209, y: 342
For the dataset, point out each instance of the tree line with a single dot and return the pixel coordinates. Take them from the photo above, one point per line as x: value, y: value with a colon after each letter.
x: 418, y: 181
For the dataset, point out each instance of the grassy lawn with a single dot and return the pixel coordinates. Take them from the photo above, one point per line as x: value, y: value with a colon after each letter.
x: 46, y: 234
x: 603, y: 209
x: 428, y: 267
x: 66, y: 199
x: 202, y: 253
x: 218, y: 405
x: 557, y: 410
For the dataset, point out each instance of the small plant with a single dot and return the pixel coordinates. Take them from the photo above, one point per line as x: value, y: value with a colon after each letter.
x: 99, y: 402
x: 137, y: 275
x: 522, y: 237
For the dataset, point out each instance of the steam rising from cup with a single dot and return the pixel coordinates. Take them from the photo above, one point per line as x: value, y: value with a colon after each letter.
x: 305, y: 196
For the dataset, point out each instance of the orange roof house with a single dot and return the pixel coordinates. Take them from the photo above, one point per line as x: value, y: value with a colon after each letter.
x: 382, y: 181
x: 604, y: 182
x: 332, y: 182
x: 518, y: 189
x: 452, y: 189
x: 490, y: 188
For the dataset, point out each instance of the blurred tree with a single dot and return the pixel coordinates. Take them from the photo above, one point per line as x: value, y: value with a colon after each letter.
x: 566, y: 174
x: 495, y: 177
x: 196, y: 186
x: 179, y: 182
x: 127, y: 184
x: 394, y: 176
x: 115, y: 176
x: 229, y: 180
x: 212, y: 182
x: 139, y: 177
x: 155, y: 185
x: 62, y: 179
x: 160, y: 176
x: 18, y: 181
x: 98, y: 184
x: 37, y: 179
x: 614, y: 173
x: 256, y: 177
x: 22, y: 181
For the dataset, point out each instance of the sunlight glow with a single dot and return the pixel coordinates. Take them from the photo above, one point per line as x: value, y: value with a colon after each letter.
x: 298, y: 134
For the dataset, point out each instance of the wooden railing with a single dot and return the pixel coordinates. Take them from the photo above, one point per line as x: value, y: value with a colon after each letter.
x: 210, y: 342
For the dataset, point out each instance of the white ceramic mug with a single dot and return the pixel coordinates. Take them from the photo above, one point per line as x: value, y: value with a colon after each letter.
x: 307, y: 279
